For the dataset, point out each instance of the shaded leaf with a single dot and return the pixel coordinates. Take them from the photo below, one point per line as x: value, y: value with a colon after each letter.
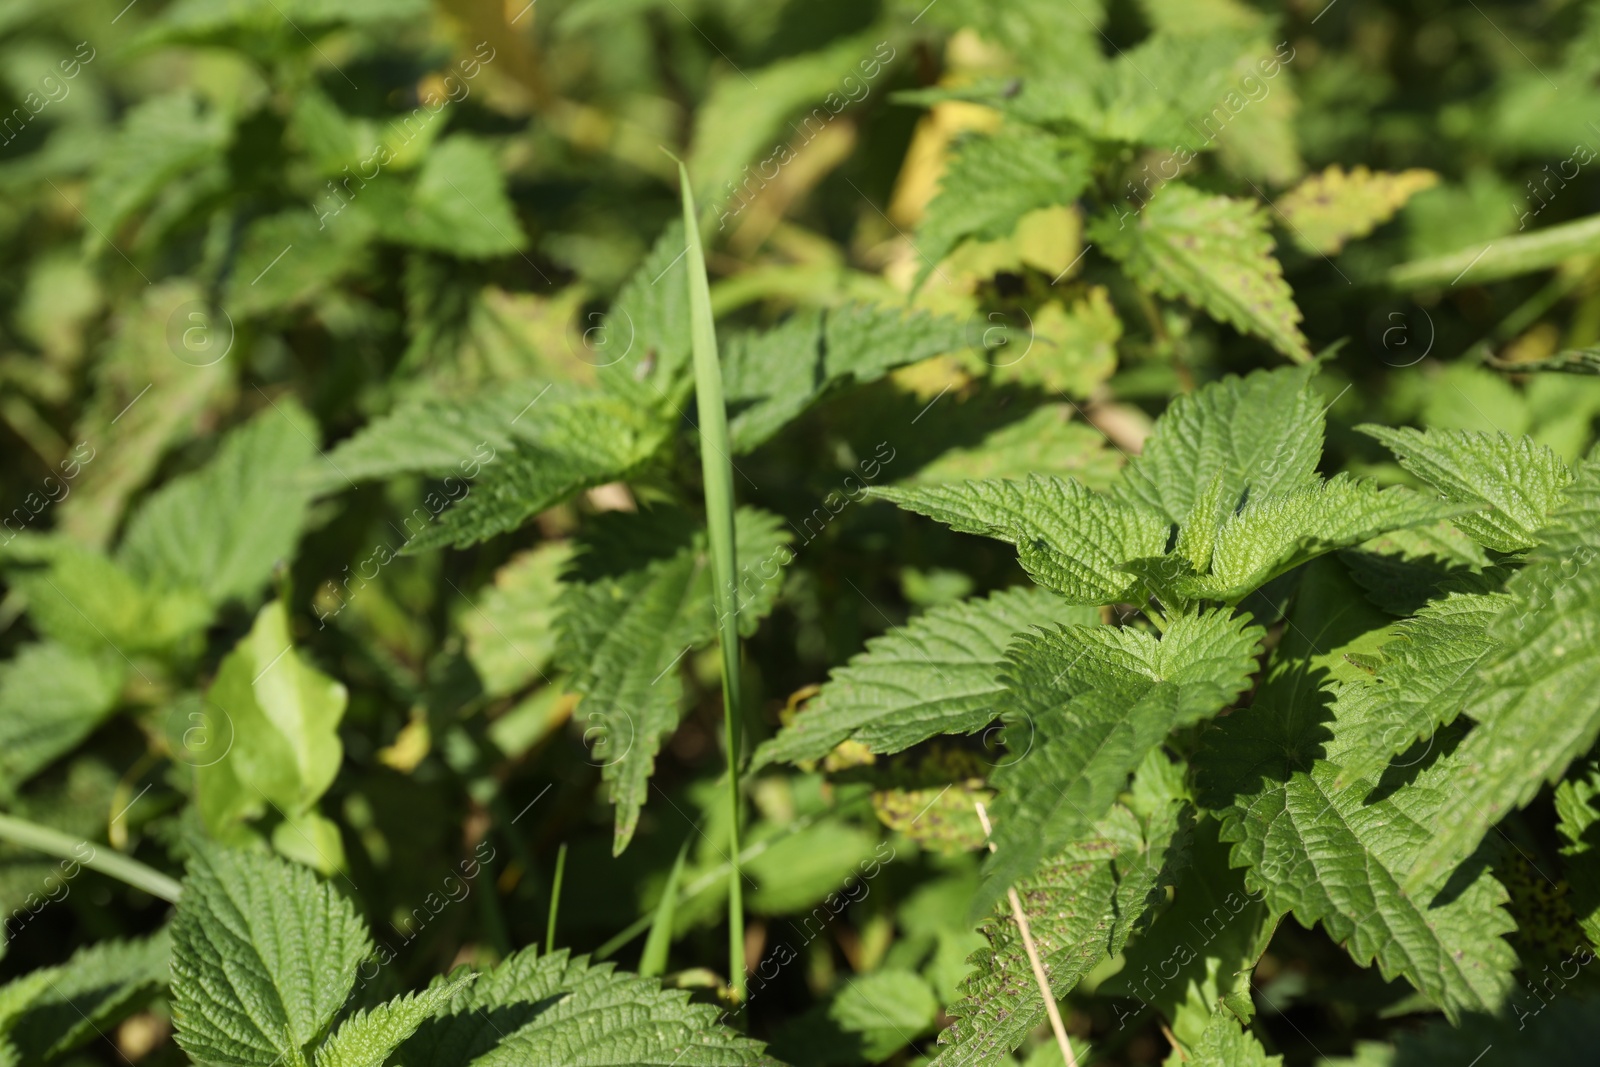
x: 1081, y: 906
x: 556, y: 1008
x: 180, y: 536
x: 587, y: 439
x: 1100, y: 699
x: 77, y: 1001
x: 510, y: 627
x: 51, y: 697
x: 628, y: 621
x: 1321, y: 846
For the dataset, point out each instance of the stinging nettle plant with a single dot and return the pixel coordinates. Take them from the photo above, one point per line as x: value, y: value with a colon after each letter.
x: 947, y: 608
x: 1326, y: 779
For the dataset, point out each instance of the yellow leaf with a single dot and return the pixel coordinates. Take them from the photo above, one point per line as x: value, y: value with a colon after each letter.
x: 410, y: 745
x: 1328, y: 209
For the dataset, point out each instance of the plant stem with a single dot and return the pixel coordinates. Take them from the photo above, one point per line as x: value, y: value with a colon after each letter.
x: 716, y: 468
x: 1503, y: 257
x: 101, y: 858
x: 555, y: 899
x: 700, y: 885
x: 1039, y: 977
x: 653, y: 961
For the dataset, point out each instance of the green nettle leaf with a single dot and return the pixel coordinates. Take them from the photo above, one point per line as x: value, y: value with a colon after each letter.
x: 1274, y: 534
x: 1124, y: 101
x: 867, y: 341
x: 1048, y: 440
x: 1517, y: 483
x: 771, y: 377
x: 367, y: 1038
x: 74, y: 1003
x: 1424, y: 679
x: 647, y: 328
x: 511, y: 627
x: 591, y: 438
x: 80, y: 598
x: 1534, y: 1033
x: 992, y: 181
x: 51, y: 697
x: 146, y: 400
x: 1197, y: 533
x: 1195, y: 961
x: 561, y: 1009
x: 1403, y: 570
x: 1224, y: 1043
x: 1328, y: 209
x: 331, y: 138
x: 180, y: 537
x: 268, y: 276
x: 263, y: 956
x: 935, y: 675
x: 15, y: 996
x: 1327, y: 849
x: 440, y: 436
x: 1260, y: 434
x: 638, y: 601
x: 887, y: 1008
x: 1538, y: 706
x: 165, y: 139
x: 747, y: 112
x: 1068, y: 538
x: 1081, y: 906
x: 1096, y: 701
x: 282, y: 716
x: 458, y: 204
x: 1319, y: 851
x: 1215, y: 253
x: 1578, y: 813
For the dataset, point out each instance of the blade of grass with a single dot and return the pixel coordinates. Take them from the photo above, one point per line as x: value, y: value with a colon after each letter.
x: 717, y: 472
x: 555, y: 899
x: 704, y: 881
x: 103, y: 859
x: 1503, y: 257
x: 653, y: 962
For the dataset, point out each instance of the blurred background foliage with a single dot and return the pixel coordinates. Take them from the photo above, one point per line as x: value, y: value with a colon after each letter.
x: 284, y: 218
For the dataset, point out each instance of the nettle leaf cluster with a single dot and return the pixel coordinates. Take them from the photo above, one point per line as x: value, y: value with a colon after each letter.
x: 1182, y: 660
x: 269, y: 965
x: 1255, y: 723
x: 637, y: 593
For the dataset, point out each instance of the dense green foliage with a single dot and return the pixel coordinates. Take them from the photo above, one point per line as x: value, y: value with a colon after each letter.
x: 1063, y: 530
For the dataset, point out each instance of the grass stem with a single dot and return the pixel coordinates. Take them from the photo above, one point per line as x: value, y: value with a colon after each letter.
x: 716, y: 466
x: 555, y: 899
x: 100, y: 858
